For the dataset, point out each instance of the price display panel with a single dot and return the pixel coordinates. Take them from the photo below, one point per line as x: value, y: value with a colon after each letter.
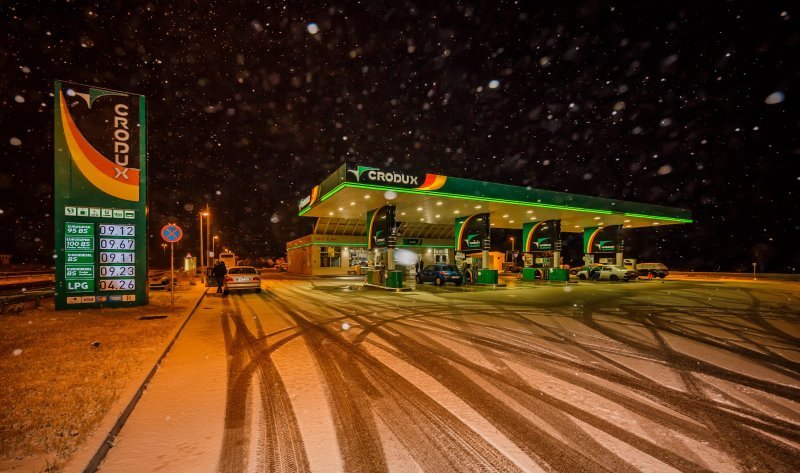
x: 117, y: 243
x: 117, y: 284
x: 117, y: 257
x: 117, y: 269
x: 117, y: 230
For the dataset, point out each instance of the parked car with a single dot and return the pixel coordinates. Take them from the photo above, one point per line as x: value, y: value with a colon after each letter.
x: 587, y: 272
x: 612, y: 272
x: 439, y: 274
x: 242, y: 278
x: 656, y: 270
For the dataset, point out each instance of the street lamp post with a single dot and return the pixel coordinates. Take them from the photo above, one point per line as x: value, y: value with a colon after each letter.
x: 208, y: 230
x: 203, y: 261
x: 214, y: 244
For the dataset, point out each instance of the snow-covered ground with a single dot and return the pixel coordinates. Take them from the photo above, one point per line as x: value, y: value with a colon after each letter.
x: 650, y: 376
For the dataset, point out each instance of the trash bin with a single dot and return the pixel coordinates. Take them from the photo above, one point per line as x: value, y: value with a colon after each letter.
x: 394, y: 279
x: 559, y: 274
x: 529, y: 274
x: 487, y: 276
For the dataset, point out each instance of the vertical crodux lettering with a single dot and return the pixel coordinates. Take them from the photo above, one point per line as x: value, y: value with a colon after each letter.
x: 121, y: 137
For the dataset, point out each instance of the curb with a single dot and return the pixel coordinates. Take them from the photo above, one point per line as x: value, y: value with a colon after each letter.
x: 101, y: 445
x: 387, y: 289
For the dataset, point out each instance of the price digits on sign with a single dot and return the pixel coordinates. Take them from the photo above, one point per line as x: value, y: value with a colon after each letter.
x: 117, y: 243
x: 116, y: 230
x: 117, y: 284
x: 116, y: 257
x: 118, y: 264
x: 117, y: 271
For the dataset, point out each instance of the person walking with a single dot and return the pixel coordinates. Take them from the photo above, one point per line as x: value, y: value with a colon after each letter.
x: 219, y: 272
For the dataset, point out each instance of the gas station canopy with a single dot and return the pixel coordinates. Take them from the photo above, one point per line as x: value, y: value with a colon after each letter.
x: 345, y: 197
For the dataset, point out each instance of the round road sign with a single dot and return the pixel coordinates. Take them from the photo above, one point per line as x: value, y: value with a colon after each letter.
x: 171, y: 233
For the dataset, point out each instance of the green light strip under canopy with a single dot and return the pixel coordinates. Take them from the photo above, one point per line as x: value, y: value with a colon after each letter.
x: 656, y: 217
x: 326, y: 243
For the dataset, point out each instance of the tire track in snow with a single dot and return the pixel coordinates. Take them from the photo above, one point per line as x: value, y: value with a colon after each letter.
x: 285, y: 451
x: 436, y: 438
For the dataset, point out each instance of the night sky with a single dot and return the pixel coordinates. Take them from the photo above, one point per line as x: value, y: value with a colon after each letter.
x: 690, y: 105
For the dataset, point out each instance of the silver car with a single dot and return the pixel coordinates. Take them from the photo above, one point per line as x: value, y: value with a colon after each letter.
x: 611, y: 272
x: 241, y: 278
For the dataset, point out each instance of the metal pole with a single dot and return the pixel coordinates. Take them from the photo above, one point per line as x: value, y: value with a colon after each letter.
x: 208, y: 233
x: 200, y: 260
x: 172, y: 272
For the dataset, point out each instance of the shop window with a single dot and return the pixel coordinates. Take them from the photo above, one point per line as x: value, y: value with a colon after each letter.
x: 330, y: 257
x: 440, y: 255
x: 359, y: 257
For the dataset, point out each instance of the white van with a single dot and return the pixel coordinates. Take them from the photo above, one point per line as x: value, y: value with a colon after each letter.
x: 228, y: 258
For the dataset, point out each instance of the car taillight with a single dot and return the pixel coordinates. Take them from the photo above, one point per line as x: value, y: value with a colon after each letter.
x: 442, y: 273
x: 256, y: 278
x: 228, y: 279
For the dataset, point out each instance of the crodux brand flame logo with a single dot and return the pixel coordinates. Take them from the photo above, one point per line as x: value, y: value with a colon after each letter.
x: 361, y: 170
x: 604, y: 245
x: 112, y: 176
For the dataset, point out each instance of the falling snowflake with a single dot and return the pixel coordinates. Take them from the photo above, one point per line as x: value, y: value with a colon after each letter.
x: 664, y: 170
x: 775, y: 98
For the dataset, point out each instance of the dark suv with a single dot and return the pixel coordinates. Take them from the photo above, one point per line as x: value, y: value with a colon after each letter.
x: 440, y: 274
x: 652, y: 270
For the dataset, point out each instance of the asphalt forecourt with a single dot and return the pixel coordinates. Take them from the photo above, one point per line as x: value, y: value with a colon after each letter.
x: 324, y: 375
